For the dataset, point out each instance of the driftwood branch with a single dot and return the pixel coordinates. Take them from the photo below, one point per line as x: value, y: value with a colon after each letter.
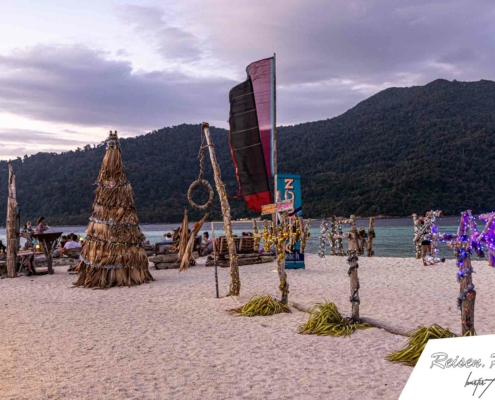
x: 235, y: 281
x: 392, y: 328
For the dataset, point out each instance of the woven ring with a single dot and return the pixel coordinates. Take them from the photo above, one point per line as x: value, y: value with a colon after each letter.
x: 200, y: 182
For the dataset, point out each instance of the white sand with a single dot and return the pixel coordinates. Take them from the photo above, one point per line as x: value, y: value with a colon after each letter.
x: 172, y: 339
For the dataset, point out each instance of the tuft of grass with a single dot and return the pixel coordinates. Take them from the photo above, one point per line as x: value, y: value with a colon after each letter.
x: 410, y: 354
x: 325, y: 319
x: 261, y: 306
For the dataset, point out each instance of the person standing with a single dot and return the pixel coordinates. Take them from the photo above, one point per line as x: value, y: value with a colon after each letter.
x: 425, y: 243
x: 41, y: 227
x: 27, y: 233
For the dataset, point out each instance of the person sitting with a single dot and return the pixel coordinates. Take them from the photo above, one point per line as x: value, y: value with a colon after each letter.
x: 207, y: 244
x: 41, y: 227
x: 63, y: 241
x: 167, y: 238
x: 72, y: 243
x: 3, y: 249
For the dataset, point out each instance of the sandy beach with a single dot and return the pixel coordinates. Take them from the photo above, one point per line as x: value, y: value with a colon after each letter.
x: 172, y: 339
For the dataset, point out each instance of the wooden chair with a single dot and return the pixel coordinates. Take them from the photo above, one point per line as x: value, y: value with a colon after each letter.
x: 245, y: 244
x: 221, y: 245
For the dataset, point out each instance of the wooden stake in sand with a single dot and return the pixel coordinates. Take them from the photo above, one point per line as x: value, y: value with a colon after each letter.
x: 371, y: 236
x: 215, y: 257
x: 417, y: 242
x: 281, y: 235
x: 467, y: 294
x: 235, y: 281
x: 12, y: 236
x: 352, y: 259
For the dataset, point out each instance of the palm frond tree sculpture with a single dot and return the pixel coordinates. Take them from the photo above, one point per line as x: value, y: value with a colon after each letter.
x: 113, y: 252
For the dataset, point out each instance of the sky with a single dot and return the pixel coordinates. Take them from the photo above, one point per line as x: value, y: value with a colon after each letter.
x: 71, y: 70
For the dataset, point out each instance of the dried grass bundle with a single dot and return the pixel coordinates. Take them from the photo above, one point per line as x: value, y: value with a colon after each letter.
x: 325, y: 319
x: 184, y: 237
x: 261, y: 306
x: 410, y: 354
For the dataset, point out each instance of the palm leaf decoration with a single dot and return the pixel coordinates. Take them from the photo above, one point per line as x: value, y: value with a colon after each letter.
x: 410, y: 354
x: 261, y: 306
x: 325, y: 319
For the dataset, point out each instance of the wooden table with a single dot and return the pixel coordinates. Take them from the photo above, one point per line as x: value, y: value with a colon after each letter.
x: 48, y: 242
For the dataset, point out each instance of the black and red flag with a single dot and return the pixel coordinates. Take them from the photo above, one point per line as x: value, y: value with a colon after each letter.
x: 251, y: 122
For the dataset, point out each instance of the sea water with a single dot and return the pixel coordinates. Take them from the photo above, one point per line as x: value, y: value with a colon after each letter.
x: 394, y: 237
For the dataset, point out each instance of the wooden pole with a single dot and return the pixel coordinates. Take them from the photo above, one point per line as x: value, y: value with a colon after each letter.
x: 417, y: 242
x: 371, y: 235
x: 235, y: 281
x: 11, y: 226
x: 215, y: 256
x: 284, y: 284
x: 467, y: 293
x: 340, y: 246
x: 467, y: 305
x: 353, y: 269
x: 275, y: 169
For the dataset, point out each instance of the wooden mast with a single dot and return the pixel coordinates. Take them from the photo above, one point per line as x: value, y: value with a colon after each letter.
x: 235, y: 282
x: 275, y: 170
x: 11, y: 226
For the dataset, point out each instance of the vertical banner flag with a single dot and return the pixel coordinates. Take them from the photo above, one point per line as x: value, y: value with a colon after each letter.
x: 289, y: 186
x: 251, y: 120
x: 262, y: 74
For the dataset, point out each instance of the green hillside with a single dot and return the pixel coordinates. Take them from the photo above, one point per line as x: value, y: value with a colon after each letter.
x: 401, y: 151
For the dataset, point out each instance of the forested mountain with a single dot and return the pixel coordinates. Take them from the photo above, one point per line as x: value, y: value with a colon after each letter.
x: 401, y: 151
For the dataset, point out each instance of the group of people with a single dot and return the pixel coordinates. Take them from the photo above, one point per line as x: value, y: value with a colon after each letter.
x: 28, y: 231
x: 67, y: 242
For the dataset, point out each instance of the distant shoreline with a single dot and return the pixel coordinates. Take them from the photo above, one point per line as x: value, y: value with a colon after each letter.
x: 249, y: 220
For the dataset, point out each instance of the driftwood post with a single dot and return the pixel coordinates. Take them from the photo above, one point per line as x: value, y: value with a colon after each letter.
x: 417, y: 242
x: 215, y: 257
x: 353, y: 268
x: 333, y: 245
x: 467, y: 304
x: 11, y: 226
x: 280, y: 248
x: 371, y: 235
x: 235, y: 281
x: 467, y: 294
x: 340, y: 245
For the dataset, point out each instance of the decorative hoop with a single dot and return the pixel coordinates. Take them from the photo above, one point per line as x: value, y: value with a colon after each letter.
x: 206, y: 184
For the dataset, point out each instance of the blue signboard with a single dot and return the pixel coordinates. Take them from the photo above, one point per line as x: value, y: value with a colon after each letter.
x: 289, y: 186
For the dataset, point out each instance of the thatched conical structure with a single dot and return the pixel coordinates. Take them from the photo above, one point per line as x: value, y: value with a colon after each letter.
x: 113, y: 252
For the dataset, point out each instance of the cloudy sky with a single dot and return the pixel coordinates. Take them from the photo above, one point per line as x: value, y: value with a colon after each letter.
x: 72, y: 70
